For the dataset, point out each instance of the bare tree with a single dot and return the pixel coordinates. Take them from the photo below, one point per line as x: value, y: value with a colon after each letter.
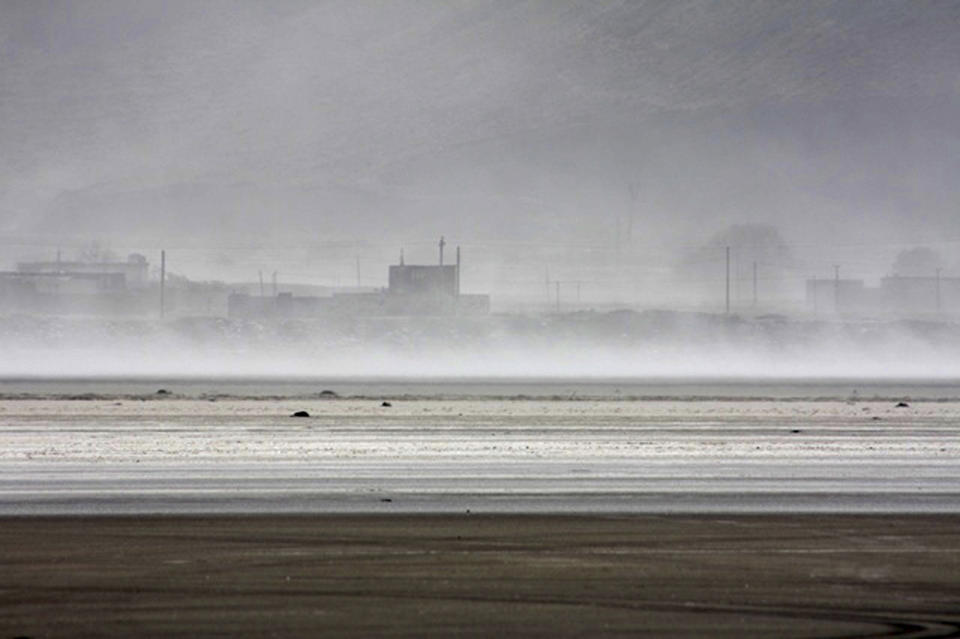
x: 919, y: 261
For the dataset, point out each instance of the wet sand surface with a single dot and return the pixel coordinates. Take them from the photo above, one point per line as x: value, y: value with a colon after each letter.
x: 486, y: 575
x: 188, y: 456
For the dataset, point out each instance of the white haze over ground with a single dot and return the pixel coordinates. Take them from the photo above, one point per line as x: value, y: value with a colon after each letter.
x: 711, y: 348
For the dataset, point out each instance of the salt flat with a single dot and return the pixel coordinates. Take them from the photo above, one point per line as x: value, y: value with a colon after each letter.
x: 438, y: 455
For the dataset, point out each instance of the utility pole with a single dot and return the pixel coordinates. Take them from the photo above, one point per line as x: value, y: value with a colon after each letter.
x: 938, y: 290
x: 754, y: 284
x: 728, y: 281
x: 442, y: 244
x: 836, y: 288
x: 736, y: 278
x: 163, y: 278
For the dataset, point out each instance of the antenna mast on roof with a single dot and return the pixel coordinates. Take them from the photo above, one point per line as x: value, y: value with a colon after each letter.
x: 442, y: 244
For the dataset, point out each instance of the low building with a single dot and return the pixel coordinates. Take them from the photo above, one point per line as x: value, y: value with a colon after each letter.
x: 896, y: 295
x: 133, y: 273
x: 840, y: 296
x: 921, y: 294
x: 87, y: 288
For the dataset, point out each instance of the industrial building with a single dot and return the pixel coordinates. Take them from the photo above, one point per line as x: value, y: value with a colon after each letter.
x: 124, y: 288
x: 87, y: 288
x: 412, y: 290
x: 131, y: 274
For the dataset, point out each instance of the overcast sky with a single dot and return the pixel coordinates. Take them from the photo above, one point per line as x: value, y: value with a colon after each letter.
x: 487, y: 121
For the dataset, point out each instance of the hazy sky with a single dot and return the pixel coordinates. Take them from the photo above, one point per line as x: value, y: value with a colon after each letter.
x: 487, y: 121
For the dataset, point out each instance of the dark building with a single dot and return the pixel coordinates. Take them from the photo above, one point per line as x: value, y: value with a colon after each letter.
x: 424, y: 280
x: 422, y: 290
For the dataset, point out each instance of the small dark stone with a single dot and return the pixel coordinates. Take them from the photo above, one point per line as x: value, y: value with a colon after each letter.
x: 903, y: 405
x: 301, y: 413
x: 328, y: 393
x: 163, y: 391
x: 386, y: 500
x: 796, y: 430
x: 875, y: 418
x: 386, y: 404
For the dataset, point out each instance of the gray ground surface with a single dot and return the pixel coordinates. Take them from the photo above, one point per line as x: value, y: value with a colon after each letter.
x: 477, y: 576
